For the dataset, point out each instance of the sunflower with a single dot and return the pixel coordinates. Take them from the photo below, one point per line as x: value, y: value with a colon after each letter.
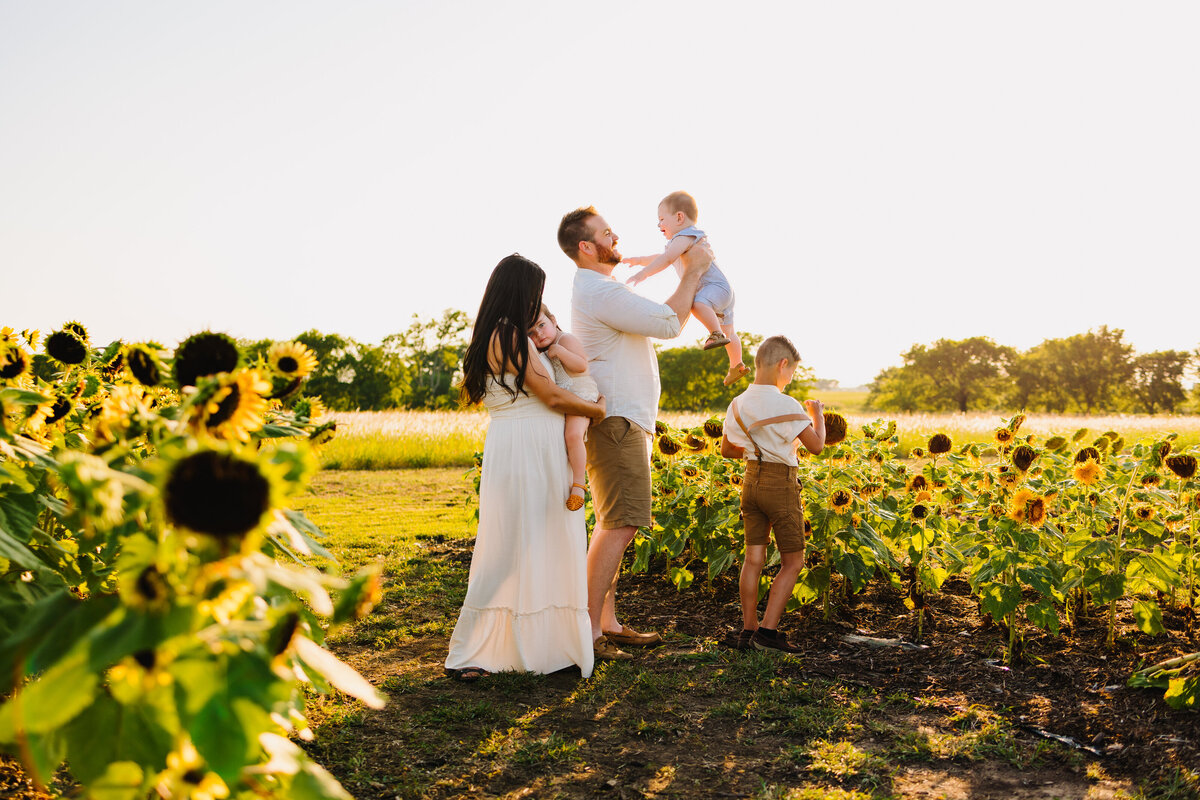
x: 840, y: 500
x: 120, y: 412
x: 918, y: 483
x: 695, y: 443
x: 203, y: 354
x: 236, y: 408
x: 870, y: 490
x: 1101, y: 444
x: 1004, y: 435
x: 939, y: 443
x: 917, y: 452
x: 668, y: 446
x: 1087, y: 453
x: 735, y: 479
x: 1161, y: 451
x: 920, y: 511
x: 1183, y: 465
x: 1008, y: 478
x: 996, y: 510
x: 660, y: 427
x: 1087, y: 471
x: 309, y: 408
x: 142, y: 361
x: 856, y: 520
x: 1117, y: 446
x: 939, y: 484
x: 1023, y: 456
x: 714, y: 428
x: 688, y: 471
x: 139, y: 674
x: 1016, y: 422
x: 77, y: 329
x: 1036, y: 511
x: 218, y: 493
x: 877, y: 456
x: 1056, y: 443
x: 61, y: 406
x: 291, y: 359
x: 186, y: 777
x: 1151, y: 479
x: 835, y: 427
x: 922, y: 497
x: 1093, y: 499
x: 1144, y: 513
x: 324, y: 432
x: 66, y: 348
x: 147, y: 590
x: 14, y: 362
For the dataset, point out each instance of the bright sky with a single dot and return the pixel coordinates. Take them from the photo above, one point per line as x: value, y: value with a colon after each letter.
x: 871, y: 174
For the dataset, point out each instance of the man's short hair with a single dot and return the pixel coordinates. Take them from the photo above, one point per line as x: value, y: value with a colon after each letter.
x: 574, y: 229
x: 681, y: 201
x: 775, y: 349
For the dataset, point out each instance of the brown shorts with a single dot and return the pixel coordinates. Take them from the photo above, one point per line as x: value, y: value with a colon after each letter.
x: 771, y: 502
x: 618, y: 454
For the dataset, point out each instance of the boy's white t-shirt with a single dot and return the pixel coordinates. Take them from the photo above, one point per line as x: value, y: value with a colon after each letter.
x: 777, y: 440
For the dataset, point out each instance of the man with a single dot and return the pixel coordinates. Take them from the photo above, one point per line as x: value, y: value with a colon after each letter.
x: 615, y: 326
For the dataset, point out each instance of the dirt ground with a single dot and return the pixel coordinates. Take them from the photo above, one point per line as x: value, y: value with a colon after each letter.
x: 1069, y: 686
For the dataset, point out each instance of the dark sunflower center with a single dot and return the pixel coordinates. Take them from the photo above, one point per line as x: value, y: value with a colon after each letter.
x: 145, y: 658
x: 143, y: 367
x: 288, y: 364
x: 204, y: 354
x: 217, y: 494
x: 194, y: 776
x: 66, y: 347
x: 150, y: 584
x: 226, y: 407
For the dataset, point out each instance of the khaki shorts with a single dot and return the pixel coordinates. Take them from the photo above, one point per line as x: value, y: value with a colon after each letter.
x: 771, y: 502
x: 618, y: 467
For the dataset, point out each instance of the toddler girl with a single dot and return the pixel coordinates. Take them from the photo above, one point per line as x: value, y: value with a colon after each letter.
x: 569, y: 361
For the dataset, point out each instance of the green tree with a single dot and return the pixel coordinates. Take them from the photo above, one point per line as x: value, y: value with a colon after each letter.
x: 1156, y: 383
x: 691, y: 377
x: 351, y: 375
x: 1032, y: 382
x: 433, y: 350
x: 1092, y: 368
x: 948, y: 374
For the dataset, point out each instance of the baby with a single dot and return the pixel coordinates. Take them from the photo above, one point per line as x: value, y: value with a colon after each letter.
x: 713, y: 305
x: 570, y: 365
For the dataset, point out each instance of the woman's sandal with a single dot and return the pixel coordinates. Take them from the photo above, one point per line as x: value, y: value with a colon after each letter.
x: 467, y: 674
x: 575, y: 501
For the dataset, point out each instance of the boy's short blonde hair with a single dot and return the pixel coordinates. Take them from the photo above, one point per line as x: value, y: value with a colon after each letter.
x: 775, y: 349
x: 681, y: 201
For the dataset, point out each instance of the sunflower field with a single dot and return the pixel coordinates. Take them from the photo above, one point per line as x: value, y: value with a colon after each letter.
x: 161, y: 622
x: 1042, y: 528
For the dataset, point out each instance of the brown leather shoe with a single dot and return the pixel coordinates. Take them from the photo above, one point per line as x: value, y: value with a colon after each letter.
x: 604, y: 650
x: 628, y: 637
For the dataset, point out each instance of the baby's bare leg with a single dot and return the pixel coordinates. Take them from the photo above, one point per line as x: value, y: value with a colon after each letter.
x: 706, y: 316
x: 576, y: 450
x: 734, y: 348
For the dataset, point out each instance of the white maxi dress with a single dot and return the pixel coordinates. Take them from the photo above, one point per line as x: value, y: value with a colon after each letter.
x: 526, y: 603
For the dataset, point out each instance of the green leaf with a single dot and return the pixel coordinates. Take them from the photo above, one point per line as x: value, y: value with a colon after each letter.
x: 315, y: 783
x: 52, y: 700
x: 999, y: 599
x: 1148, y: 616
x: 1043, y: 615
x: 1107, y: 588
x: 720, y: 562
x: 226, y: 733
x: 1183, y: 692
x: 681, y: 577
x: 122, y: 780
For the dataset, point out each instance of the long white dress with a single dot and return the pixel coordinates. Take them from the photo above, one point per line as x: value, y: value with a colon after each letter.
x: 526, y: 603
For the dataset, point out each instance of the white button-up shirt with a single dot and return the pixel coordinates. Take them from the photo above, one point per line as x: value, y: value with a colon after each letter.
x: 777, y: 440
x: 615, y: 326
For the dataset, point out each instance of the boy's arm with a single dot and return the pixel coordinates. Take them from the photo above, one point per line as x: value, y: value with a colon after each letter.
x: 813, y: 436
x: 731, y: 450
x: 677, y: 247
x: 569, y: 350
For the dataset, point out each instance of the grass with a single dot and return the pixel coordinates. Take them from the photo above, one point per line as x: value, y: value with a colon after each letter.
x: 667, y: 725
x: 384, y: 440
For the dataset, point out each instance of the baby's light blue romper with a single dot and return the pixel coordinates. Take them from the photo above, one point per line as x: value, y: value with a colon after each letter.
x: 714, y: 288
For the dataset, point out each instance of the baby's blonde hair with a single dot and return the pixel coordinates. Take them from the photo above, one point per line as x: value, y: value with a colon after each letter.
x: 681, y: 201
x: 775, y: 349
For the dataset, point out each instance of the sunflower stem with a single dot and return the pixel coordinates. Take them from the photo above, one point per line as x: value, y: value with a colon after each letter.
x: 1112, y: 605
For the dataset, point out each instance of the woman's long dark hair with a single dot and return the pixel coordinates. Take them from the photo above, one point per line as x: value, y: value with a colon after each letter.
x: 510, y: 307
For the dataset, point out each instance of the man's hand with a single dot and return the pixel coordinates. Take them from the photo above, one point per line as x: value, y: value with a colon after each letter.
x: 603, y: 410
x: 698, y: 257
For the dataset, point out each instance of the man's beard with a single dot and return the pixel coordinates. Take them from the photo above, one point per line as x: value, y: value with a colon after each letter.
x: 606, y: 255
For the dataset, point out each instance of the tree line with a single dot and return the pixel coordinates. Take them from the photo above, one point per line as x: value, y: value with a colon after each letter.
x: 1096, y: 371
x: 419, y: 368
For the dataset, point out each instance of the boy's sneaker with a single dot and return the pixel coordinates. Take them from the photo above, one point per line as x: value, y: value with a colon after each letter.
x: 715, y: 339
x: 736, y: 373
x: 744, y: 640
x: 772, y: 640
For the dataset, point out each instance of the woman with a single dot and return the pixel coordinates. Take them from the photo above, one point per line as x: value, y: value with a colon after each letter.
x: 526, y: 603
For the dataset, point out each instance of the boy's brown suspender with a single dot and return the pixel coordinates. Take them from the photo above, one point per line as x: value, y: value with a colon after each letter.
x: 768, y: 421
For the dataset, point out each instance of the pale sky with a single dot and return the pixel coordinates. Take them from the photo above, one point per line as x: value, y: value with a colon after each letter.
x: 871, y: 174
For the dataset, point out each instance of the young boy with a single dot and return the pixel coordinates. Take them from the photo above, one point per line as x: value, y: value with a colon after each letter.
x: 713, y: 305
x: 763, y: 425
